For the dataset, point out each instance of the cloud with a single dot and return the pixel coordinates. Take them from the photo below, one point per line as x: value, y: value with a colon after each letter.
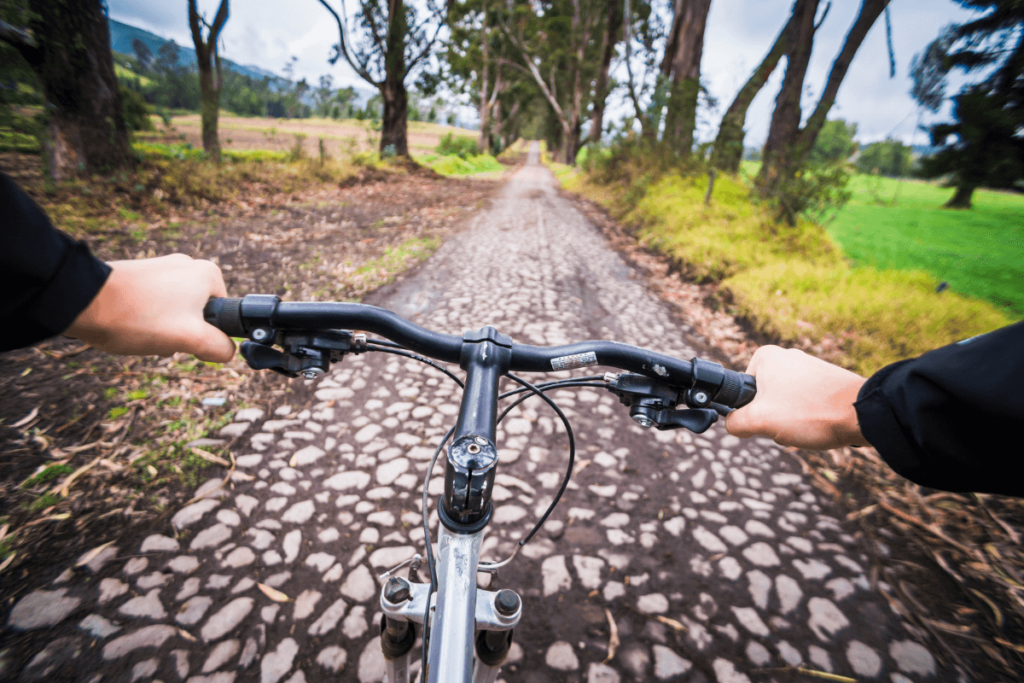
x: 740, y: 32
x: 266, y: 33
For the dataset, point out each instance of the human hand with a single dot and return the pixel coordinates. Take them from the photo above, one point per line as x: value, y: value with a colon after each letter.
x: 155, y: 307
x: 801, y: 401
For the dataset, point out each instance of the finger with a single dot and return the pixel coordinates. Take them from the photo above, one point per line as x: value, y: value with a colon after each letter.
x: 216, y: 278
x: 212, y: 345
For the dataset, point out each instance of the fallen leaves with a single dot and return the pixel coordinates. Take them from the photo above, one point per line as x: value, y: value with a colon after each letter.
x: 613, y: 636
x: 672, y: 623
x: 274, y: 594
x: 210, y: 457
x: 28, y: 418
x: 92, y: 554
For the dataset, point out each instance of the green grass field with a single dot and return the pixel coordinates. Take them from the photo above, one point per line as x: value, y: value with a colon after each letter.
x: 902, y: 225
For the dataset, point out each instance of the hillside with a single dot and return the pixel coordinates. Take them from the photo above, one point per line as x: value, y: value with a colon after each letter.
x: 123, y: 35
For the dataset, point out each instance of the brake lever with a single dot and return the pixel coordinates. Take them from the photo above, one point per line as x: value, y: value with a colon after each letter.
x: 653, y: 404
x: 308, y: 354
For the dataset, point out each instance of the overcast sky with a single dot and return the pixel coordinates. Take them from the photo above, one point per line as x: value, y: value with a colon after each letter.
x: 266, y: 33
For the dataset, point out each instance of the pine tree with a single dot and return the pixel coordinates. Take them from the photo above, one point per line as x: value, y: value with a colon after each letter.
x: 981, y: 147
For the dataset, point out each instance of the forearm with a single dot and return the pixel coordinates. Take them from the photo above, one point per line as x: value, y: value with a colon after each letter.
x: 952, y: 418
x: 46, y: 278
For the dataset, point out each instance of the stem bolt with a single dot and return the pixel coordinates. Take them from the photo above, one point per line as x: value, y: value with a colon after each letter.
x: 506, y: 602
x: 397, y: 590
x: 312, y: 373
x: 260, y: 334
x: 700, y: 397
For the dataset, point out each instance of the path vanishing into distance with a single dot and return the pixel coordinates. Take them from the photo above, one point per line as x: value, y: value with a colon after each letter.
x: 714, y: 556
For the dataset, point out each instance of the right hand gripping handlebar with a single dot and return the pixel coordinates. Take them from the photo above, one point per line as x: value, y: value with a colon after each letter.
x: 312, y: 330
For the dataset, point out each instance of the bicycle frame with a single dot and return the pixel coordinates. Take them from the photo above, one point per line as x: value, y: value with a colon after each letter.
x: 461, y: 611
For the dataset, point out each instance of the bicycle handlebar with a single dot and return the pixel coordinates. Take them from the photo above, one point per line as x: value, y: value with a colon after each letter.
x: 240, y: 317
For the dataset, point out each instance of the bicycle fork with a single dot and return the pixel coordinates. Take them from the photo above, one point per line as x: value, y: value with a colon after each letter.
x: 486, y: 621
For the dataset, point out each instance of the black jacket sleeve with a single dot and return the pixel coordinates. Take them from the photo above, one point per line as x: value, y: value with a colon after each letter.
x: 46, y: 278
x: 952, y: 419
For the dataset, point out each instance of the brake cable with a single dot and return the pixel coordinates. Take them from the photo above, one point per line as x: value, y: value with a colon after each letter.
x: 565, y: 481
x: 547, y: 386
x: 397, y: 350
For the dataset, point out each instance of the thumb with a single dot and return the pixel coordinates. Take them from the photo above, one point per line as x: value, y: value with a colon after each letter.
x: 210, y: 344
x: 739, y: 423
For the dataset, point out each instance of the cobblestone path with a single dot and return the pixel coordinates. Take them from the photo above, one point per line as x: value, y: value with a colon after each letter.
x: 714, y: 556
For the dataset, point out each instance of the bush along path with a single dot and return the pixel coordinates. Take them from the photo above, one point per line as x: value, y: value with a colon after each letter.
x: 671, y: 556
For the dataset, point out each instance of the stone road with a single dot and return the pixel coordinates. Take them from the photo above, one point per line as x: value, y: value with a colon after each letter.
x: 714, y: 556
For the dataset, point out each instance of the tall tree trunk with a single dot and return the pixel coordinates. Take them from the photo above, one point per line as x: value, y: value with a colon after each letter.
x: 69, y: 50
x: 396, y: 111
x: 210, y: 80
x: 962, y: 198
x: 682, y: 63
x: 484, y: 142
x: 870, y: 10
x: 610, y: 40
x: 728, y: 148
x: 785, y: 123
x: 396, y: 100
x: 496, y: 126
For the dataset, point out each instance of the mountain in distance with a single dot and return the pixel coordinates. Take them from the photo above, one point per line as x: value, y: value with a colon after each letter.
x: 123, y: 35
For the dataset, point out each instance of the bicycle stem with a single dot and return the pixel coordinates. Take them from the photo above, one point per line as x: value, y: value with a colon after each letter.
x: 473, y: 455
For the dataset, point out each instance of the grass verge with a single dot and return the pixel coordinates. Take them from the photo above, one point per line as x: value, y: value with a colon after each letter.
x: 791, y: 283
x: 452, y: 165
x: 902, y: 225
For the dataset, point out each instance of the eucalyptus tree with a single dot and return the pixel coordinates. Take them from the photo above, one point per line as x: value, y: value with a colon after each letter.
x: 614, y: 11
x: 646, y: 87
x: 67, y: 45
x: 555, y: 46
x: 210, y: 76
x: 789, y: 143
x: 728, y: 148
x: 681, y: 66
x: 477, y: 56
x: 391, y: 42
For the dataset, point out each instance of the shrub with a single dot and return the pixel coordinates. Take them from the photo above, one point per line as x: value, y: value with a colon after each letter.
x: 817, y: 192
x: 136, y: 111
x: 889, y: 158
x: 462, y: 147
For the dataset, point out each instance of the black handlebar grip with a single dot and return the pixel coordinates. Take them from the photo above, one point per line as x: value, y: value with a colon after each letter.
x: 226, y: 315
x: 737, y: 390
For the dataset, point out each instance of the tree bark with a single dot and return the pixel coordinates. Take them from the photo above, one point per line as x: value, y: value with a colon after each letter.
x: 728, y: 148
x: 69, y: 51
x: 208, y: 59
x: 962, y: 198
x: 682, y: 63
x: 484, y: 142
x: 785, y: 123
x: 786, y: 152
x: 870, y: 10
x: 392, y: 90
x: 610, y: 40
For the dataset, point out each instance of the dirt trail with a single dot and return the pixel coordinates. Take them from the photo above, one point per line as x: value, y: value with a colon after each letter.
x: 714, y: 556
